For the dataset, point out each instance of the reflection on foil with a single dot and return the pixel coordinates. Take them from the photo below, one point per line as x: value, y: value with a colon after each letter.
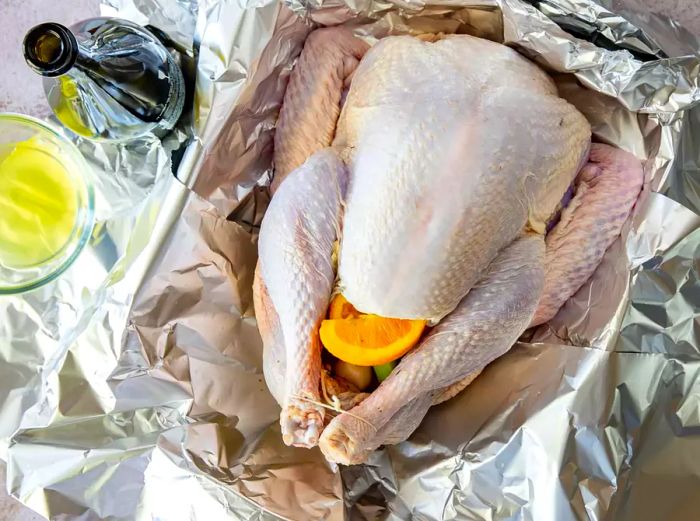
x: 132, y: 387
x: 672, y: 37
x: 664, y: 309
x: 601, y: 27
x: 567, y: 438
x: 38, y: 329
x: 684, y: 185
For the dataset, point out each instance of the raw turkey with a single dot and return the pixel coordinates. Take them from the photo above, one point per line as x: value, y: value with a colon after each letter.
x: 433, y: 188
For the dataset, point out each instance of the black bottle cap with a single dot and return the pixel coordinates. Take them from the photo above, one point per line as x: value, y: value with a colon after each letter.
x: 50, y: 49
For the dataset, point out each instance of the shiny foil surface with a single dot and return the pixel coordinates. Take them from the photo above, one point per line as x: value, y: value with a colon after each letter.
x: 132, y: 387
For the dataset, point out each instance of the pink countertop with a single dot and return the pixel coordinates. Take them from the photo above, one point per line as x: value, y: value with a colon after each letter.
x: 20, y: 88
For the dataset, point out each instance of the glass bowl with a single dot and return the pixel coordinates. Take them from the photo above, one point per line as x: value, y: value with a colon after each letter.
x: 46, y: 203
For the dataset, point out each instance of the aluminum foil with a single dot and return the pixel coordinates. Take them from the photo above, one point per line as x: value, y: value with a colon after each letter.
x: 132, y: 387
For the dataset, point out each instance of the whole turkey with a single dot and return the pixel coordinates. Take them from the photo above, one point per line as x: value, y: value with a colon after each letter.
x: 429, y: 170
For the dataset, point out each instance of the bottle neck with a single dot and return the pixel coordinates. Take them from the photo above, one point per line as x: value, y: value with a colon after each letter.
x: 51, y: 49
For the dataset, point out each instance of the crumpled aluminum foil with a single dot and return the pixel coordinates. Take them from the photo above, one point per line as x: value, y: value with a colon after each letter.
x: 132, y: 387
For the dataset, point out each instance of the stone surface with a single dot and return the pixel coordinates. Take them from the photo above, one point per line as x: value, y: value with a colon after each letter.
x: 11, y: 510
x: 20, y: 88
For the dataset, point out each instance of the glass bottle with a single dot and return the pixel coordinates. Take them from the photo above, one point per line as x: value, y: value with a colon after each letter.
x: 106, y: 78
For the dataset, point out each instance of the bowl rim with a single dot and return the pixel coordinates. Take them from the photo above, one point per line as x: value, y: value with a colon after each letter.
x: 89, y: 210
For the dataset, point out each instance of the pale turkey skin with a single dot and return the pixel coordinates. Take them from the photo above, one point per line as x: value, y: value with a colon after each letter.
x: 442, y: 176
x: 438, y: 188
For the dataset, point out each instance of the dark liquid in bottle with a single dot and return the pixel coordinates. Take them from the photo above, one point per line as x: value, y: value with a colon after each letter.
x: 107, y: 78
x: 131, y: 70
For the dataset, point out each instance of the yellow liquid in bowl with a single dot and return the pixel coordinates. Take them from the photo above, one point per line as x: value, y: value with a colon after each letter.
x: 38, y: 203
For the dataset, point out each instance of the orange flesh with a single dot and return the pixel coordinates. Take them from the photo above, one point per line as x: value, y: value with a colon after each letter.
x: 341, y: 308
x: 367, y: 340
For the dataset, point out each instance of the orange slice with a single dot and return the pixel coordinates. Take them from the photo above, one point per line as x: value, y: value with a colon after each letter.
x: 341, y: 308
x: 370, y: 339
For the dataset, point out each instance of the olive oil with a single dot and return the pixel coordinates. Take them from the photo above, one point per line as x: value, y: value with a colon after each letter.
x: 38, y: 203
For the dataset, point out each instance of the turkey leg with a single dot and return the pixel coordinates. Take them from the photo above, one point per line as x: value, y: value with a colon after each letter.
x: 606, y: 189
x: 294, y: 279
x: 482, y: 327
